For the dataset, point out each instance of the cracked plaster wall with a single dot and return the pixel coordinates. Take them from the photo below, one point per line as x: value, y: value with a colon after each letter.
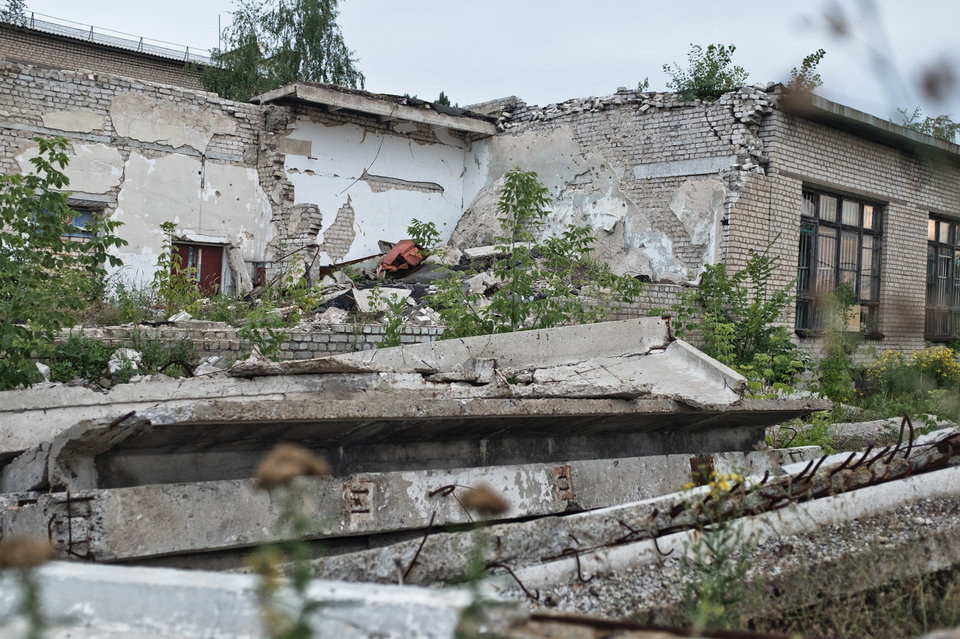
x: 147, y: 154
x: 653, y: 177
x: 357, y: 181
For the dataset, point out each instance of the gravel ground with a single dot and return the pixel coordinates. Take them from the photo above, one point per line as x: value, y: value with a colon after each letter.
x: 795, y: 569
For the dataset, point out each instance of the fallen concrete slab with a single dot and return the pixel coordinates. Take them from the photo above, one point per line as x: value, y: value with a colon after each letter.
x: 628, y: 359
x: 552, y: 548
x: 84, y: 600
x: 136, y: 523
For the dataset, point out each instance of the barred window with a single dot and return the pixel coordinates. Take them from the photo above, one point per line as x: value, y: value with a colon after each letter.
x: 840, y: 241
x: 943, y: 280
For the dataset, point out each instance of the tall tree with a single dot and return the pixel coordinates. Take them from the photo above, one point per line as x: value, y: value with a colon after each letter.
x: 276, y: 42
x: 15, y: 13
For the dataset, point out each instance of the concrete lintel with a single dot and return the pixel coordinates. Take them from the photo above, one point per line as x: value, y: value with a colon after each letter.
x: 375, y: 105
x: 239, y: 515
x: 88, y: 600
x: 675, y: 168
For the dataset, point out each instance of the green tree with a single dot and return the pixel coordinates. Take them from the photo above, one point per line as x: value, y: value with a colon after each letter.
x: 806, y: 79
x: 45, y: 271
x: 709, y: 75
x: 443, y: 99
x: 15, y: 13
x: 941, y: 127
x: 273, y: 43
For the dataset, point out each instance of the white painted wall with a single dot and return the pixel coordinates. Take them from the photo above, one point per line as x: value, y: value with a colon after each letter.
x: 339, y: 156
x: 230, y: 208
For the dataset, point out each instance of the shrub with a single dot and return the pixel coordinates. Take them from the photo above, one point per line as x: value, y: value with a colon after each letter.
x: 79, y: 356
x: 530, y: 293
x: 46, y: 273
x: 711, y: 73
x: 734, y: 315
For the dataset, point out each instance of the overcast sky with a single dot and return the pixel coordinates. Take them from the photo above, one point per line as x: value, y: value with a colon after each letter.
x: 550, y: 50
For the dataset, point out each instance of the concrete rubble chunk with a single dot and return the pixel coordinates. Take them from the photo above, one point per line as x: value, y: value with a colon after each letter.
x: 333, y: 316
x: 124, y: 358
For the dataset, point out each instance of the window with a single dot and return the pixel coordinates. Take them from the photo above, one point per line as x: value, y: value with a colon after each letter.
x: 84, y: 220
x: 839, y: 244
x: 943, y: 279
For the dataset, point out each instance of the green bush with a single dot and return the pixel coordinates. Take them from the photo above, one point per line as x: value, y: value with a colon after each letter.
x: 46, y: 273
x: 532, y: 294
x: 79, y: 356
x: 734, y: 317
x: 710, y: 73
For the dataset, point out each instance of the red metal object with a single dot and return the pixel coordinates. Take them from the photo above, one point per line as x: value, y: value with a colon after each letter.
x: 404, y: 255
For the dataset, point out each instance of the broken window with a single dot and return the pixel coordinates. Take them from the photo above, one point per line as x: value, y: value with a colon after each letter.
x: 943, y: 280
x: 839, y: 243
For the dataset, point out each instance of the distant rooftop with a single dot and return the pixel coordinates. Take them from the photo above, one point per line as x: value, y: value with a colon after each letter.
x: 108, y: 37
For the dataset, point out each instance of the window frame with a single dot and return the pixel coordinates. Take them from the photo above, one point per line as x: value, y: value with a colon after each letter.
x: 950, y: 311
x: 811, y: 270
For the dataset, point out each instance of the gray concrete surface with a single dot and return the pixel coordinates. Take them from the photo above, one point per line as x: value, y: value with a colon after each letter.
x: 84, y: 600
x: 136, y: 523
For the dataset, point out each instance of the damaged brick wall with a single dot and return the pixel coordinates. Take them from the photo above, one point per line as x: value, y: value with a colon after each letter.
x: 144, y: 154
x: 217, y: 338
x: 652, y: 175
x: 348, y: 180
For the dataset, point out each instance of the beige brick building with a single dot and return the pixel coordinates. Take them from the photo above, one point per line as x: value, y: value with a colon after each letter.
x: 316, y: 175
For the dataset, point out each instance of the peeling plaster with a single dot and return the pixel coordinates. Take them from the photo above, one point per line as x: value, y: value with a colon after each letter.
x: 79, y: 121
x: 699, y: 205
x: 92, y: 168
x: 389, y: 179
x: 585, y: 190
x: 142, y: 118
x: 231, y: 208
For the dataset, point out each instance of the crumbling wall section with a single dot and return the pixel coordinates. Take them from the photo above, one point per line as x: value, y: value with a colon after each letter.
x: 217, y: 338
x: 144, y: 154
x: 351, y: 180
x: 653, y: 176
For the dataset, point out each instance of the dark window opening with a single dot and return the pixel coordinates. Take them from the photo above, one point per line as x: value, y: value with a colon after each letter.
x: 943, y: 280
x: 840, y: 241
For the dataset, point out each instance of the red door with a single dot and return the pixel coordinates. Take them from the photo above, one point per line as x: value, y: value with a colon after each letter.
x: 205, y: 263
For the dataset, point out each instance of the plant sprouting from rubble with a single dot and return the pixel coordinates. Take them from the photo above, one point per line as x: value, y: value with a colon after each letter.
x: 716, y: 561
x: 174, y: 282
x: 806, y: 79
x: 46, y: 270
x: 710, y: 73
x: 392, y: 308
x: 532, y: 292
x: 273, y: 43
x: 941, y: 127
x: 264, y: 329
x: 735, y: 316
x: 425, y: 235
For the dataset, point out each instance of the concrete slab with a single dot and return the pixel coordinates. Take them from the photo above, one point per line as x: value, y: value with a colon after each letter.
x: 135, y: 523
x: 85, y: 600
x: 548, y: 550
x: 633, y: 358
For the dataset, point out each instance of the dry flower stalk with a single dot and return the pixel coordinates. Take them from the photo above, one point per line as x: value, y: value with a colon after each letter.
x: 287, y: 461
x: 24, y: 553
x: 483, y: 499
